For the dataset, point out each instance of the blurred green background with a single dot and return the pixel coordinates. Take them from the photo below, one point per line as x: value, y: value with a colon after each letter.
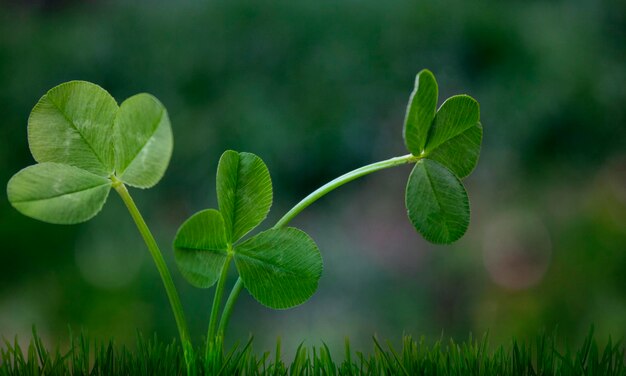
x: 317, y: 89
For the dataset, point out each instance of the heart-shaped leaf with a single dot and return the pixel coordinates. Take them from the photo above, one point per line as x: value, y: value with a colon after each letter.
x: 420, y: 112
x: 201, y: 249
x: 81, y: 138
x: 437, y: 203
x: 58, y: 193
x: 460, y: 153
x: 244, y: 192
x: 280, y: 267
x: 456, y: 115
x: 73, y: 124
x: 143, y: 141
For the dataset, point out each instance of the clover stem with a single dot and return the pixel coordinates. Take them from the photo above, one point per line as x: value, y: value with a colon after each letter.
x: 343, y: 179
x: 228, y: 308
x: 172, y: 293
x: 308, y: 200
x: 217, y: 301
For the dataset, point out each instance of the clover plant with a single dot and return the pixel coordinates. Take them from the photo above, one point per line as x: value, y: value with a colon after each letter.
x: 84, y: 144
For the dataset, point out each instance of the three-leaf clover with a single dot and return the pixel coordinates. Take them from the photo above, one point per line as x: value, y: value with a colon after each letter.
x: 280, y: 267
x: 447, y: 141
x: 84, y: 143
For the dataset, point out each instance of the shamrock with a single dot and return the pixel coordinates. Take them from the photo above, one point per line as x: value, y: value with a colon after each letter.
x: 280, y: 267
x: 85, y: 144
x: 447, y: 144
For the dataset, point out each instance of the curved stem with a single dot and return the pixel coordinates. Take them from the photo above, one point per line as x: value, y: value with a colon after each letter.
x: 217, y: 301
x: 228, y: 308
x: 172, y: 293
x: 308, y: 200
x: 338, y: 182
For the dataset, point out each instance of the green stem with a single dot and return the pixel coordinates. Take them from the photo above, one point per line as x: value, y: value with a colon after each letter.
x: 308, y: 200
x: 217, y: 301
x: 172, y: 293
x: 343, y: 179
x: 228, y: 308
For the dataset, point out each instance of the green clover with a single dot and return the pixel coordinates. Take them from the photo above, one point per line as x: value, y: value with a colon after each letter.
x: 280, y: 267
x: 85, y: 143
x: 447, y: 143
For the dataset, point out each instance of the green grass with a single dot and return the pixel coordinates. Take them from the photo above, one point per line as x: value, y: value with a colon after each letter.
x: 472, y: 357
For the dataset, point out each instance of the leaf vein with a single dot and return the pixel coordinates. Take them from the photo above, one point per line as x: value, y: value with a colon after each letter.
x: 61, y: 194
x: 78, y: 131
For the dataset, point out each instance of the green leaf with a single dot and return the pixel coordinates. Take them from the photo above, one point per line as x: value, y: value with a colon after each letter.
x: 58, y: 193
x: 244, y: 192
x: 456, y: 115
x: 73, y: 124
x: 143, y: 141
x: 437, y: 203
x: 201, y: 249
x: 460, y: 153
x: 420, y: 112
x: 280, y: 267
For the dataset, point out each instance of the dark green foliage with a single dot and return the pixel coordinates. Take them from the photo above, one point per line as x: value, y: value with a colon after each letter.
x: 280, y: 267
x: 288, y: 70
x: 415, y: 357
x: 435, y: 198
x: 86, y: 144
x: 86, y: 357
x: 436, y: 202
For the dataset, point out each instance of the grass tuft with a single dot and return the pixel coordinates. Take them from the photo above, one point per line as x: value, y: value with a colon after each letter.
x: 415, y: 357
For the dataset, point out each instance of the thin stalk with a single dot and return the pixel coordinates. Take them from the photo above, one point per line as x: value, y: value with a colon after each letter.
x: 228, y: 308
x: 157, y: 256
x: 338, y: 182
x: 308, y: 200
x: 217, y: 301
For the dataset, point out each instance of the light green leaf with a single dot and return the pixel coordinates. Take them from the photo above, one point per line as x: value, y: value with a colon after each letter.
x: 280, y: 267
x: 143, y: 141
x: 73, y: 124
x: 58, y: 193
x: 460, y: 153
x: 420, y: 112
x: 437, y: 203
x: 456, y: 115
x: 244, y: 192
x: 201, y: 249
